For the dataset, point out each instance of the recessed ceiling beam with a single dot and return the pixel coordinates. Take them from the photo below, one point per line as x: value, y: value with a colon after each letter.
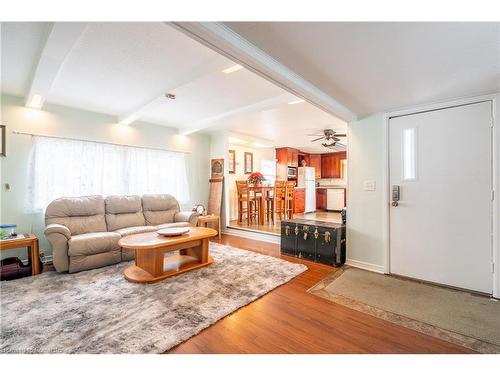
x: 229, y: 43
x: 216, y: 65
x: 61, y: 39
x: 254, y: 107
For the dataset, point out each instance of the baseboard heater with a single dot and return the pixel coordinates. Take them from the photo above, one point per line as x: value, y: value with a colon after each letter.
x: 313, y: 240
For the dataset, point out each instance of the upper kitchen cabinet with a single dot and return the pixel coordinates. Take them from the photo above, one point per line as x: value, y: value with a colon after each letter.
x: 331, y: 164
x: 287, y: 156
x: 315, y: 162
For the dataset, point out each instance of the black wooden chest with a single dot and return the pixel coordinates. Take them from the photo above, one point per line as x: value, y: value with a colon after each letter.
x: 314, y: 240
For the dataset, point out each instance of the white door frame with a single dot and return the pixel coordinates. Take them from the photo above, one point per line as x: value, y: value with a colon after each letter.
x: 495, y: 99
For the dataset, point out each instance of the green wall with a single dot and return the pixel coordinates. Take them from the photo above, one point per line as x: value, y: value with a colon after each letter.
x: 365, y: 220
x: 55, y: 120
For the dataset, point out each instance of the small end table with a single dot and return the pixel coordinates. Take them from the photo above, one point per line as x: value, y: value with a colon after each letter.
x: 205, y: 219
x: 29, y: 241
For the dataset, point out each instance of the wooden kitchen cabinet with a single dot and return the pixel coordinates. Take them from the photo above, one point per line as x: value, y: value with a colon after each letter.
x: 315, y: 162
x: 288, y: 156
x: 331, y: 164
x: 320, y: 199
x: 299, y: 202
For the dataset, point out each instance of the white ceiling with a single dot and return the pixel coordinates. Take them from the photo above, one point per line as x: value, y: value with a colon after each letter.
x: 373, y: 67
x: 119, y: 68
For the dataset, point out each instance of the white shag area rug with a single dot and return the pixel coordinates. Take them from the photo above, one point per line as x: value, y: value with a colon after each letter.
x: 98, y: 311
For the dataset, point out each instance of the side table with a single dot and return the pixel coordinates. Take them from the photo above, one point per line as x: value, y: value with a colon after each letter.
x: 205, y: 219
x: 29, y: 241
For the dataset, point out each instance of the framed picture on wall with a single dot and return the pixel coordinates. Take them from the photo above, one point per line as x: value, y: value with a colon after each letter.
x: 2, y: 140
x: 248, y: 162
x: 232, y: 161
x: 217, y: 168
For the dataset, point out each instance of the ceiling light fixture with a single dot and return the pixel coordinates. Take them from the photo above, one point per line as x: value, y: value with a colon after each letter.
x: 35, y: 102
x: 232, y: 69
x: 170, y: 96
x: 296, y: 101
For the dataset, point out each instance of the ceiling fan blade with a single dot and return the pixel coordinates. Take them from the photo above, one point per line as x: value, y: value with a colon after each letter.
x: 340, y: 135
x: 317, y: 139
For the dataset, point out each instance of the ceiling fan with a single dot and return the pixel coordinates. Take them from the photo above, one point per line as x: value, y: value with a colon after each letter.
x: 330, y: 138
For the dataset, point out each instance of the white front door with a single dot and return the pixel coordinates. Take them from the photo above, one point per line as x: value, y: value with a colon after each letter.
x: 441, y: 228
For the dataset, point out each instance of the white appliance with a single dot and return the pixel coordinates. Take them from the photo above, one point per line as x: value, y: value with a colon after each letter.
x: 307, y: 180
x: 335, y: 199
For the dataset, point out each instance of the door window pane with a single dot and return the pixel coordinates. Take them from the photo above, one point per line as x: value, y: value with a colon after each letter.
x: 409, y: 154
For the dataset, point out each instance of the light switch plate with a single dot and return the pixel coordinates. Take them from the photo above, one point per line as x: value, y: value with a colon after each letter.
x: 369, y: 185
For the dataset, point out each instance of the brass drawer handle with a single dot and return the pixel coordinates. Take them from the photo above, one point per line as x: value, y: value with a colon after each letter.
x: 316, y: 233
x: 327, y: 237
x: 296, y: 230
x: 305, y: 229
x: 287, y: 230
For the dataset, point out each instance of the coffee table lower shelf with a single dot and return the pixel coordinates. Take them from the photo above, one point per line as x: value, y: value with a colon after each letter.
x: 173, y: 265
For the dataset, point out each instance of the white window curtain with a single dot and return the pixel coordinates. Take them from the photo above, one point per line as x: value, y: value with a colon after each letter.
x: 72, y: 168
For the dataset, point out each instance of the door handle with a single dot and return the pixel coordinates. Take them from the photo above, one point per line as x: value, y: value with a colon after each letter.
x: 396, y: 195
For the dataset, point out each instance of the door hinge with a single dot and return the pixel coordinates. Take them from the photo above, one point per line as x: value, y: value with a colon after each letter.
x: 492, y: 124
x: 493, y: 195
x: 492, y: 267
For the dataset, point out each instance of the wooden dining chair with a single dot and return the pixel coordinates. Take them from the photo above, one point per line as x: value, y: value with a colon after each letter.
x: 289, y: 199
x: 279, y: 198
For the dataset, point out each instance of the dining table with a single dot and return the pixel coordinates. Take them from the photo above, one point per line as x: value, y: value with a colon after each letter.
x: 261, y: 192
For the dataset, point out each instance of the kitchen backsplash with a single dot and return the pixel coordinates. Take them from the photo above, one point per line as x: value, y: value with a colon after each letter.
x: 332, y: 181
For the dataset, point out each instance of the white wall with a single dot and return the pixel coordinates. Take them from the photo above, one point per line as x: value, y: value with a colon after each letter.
x: 259, y: 154
x: 72, y: 123
x: 365, y: 214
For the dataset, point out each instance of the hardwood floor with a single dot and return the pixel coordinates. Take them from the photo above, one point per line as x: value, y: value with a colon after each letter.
x: 275, y: 227
x: 290, y: 320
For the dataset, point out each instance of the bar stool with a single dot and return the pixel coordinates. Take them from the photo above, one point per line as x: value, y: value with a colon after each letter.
x: 247, y: 202
x: 289, y: 199
x: 279, y: 198
x: 269, y: 205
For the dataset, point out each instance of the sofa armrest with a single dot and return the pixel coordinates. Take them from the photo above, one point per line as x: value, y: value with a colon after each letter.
x: 58, y: 237
x: 187, y: 216
x: 57, y: 228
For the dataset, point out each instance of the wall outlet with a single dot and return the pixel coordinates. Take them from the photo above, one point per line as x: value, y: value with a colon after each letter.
x: 369, y: 185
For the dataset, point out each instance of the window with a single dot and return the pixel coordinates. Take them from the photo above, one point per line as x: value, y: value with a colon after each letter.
x: 409, y: 154
x: 268, y: 170
x: 71, y: 168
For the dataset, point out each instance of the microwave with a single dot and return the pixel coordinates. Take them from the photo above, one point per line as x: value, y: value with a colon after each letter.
x: 292, y: 172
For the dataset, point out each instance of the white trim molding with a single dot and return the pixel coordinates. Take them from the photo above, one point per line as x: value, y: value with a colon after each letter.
x: 271, y: 238
x: 365, y: 265
x: 495, y: 99
x: 227, y: 42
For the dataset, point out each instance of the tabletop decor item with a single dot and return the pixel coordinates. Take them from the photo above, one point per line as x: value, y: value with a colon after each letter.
x: 199, y: 209
x: 169, y: 232
x: 255, y: 179
x: 8, y: 231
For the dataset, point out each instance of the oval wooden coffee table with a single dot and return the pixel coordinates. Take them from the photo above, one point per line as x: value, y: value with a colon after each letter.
x: 151, y: 264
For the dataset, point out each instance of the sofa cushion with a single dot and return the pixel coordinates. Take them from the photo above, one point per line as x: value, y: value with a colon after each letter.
x: 135, y: 230
x: 159, y: 208
x: 122, y: 204
x: 123, y: 212
x: 79, y: 215
x: 93, y: 243
x: 174, y: 225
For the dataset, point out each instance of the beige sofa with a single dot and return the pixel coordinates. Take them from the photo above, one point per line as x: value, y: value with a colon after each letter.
x: 84, y: 231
